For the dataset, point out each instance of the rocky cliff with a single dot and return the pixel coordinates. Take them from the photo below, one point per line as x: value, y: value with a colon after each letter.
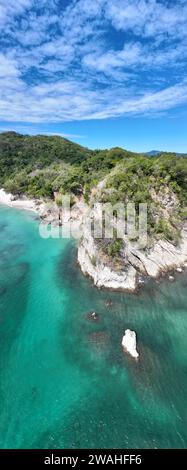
x: 161, y: 258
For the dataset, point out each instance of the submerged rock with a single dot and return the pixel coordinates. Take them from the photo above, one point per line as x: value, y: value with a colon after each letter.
x: 98, y: 337
x: 93, y: 316
x: 171, y: 278
x: 108, y: 303
x: 129, y: 343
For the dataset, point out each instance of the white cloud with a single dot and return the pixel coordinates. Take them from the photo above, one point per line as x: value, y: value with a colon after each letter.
x: 148, y: 17
x: 30, y: 129
x: 8, y: 67
x: 12, y: 8
x: 135, y: 55
x: 66, y: 101
x: 60, y: 64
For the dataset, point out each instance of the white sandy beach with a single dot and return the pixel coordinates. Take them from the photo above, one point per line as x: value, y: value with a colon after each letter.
x: 22, y: 203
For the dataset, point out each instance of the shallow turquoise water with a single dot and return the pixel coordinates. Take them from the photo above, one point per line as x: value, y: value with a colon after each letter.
x: 65, y: 381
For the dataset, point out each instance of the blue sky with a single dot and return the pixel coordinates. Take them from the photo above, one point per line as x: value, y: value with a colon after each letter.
x: 102, y: 73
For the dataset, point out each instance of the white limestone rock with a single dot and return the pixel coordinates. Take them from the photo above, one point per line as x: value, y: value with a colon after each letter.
x: 129, y: 343
x: 161, y: 258
x: 103, y: 276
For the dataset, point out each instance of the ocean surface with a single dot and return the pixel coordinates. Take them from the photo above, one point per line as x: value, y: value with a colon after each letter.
x: 64, y: 380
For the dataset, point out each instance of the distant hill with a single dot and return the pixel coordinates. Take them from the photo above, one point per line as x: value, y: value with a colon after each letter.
x: 41, y: 165
x: 152, y: 153
x: 20, y: 151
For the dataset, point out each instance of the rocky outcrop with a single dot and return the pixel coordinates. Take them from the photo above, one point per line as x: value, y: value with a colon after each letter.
x: 161, y: 258
x: 129, y: 343
x: 136, y: 263
x: 50, y: 213
x: 91, y: 264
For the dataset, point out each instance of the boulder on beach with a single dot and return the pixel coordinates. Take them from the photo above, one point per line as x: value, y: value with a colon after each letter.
x: 129, y: 343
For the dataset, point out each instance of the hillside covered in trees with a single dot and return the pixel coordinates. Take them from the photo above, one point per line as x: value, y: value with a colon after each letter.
x: 40, y: 165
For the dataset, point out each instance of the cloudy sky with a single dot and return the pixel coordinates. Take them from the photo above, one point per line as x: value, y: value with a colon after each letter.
x: 102, y: 72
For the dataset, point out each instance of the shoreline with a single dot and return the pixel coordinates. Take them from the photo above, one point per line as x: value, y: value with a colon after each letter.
x: 163, y: 260
x: 7, y: 199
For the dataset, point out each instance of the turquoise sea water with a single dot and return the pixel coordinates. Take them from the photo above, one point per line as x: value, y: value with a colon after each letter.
x: 65, y: 381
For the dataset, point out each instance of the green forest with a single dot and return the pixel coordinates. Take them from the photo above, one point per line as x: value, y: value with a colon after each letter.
x: 40, y: 165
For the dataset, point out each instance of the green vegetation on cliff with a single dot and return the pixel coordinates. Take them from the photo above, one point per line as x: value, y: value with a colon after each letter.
x: 41, y: 165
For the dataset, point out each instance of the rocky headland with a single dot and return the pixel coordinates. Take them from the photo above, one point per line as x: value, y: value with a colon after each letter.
x: 37, y: 172
x: 133, y: 264
x: 138, y: 264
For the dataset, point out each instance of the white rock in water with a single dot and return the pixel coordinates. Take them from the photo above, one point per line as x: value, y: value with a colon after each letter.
x: 129, y: 343
x: 171, y: 278
x: 179, y: 270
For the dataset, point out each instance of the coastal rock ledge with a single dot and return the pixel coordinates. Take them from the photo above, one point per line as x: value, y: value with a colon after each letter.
x: 159, y: 258
x: 163, y: 257
x: 129, y: 343
x: 93, y: 265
